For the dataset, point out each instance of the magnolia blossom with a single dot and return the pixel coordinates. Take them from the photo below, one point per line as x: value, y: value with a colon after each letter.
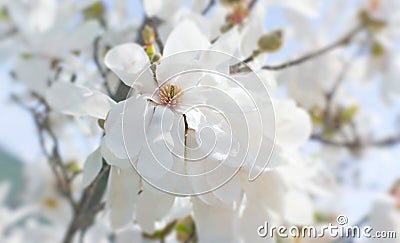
x: 197, y: 148
x: 135, y: 129
x: 47, y: 40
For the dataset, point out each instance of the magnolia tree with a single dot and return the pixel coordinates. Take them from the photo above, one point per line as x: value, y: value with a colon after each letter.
x: 197, y: 121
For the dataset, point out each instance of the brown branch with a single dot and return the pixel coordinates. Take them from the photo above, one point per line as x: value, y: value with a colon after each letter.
x: 331, y: 94
x: 252, y: 4
x: 359, y: 143
x: 209, y: 6
x: 40, y: 115
x: 9, y: 33
x: 103, y: 73
x: 89, y: 205
x: 340, y: 42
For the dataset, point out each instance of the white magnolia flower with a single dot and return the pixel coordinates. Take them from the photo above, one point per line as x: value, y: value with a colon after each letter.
x: 155, y: 103
x: 48, y: 39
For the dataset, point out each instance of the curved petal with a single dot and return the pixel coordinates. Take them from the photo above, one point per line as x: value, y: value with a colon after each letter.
x: 152, y: 206
x: 122, y: 194
x: 152, y: 7
x: 127, y: 61
x: 156, y: 157
x: 92, y: 167
x: 186, y: 36
x: 299, y: 209
x: 293, y: 125
x: 72, y: 99
x: 125, y: 128
x: 210, y: 218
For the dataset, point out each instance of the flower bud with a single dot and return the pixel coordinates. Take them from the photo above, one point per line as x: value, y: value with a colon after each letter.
x: 228, y: 3
x: 270, y: 42
x: 239, y: 13
x: 148, y: 35
x: 377, y: 50
x: 156, y: 58
x: 373, y: 25
x: 94, y: 11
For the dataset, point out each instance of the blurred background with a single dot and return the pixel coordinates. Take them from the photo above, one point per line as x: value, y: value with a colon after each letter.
x: 359, y: 143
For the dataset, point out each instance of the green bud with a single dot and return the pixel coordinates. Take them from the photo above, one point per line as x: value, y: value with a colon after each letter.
x: 373, y: 25
x: 270, y: 42
x: 94, y: 11
x: 228, y: 3
x: 377, y: 50
x: 185, y: 228
x: 76, y: 52
x: 317, y: 116
x: 148, y: 35
x: 157, y: 57
x: 225, y: 28
x: 347, y: 114
x: 151, y: 51
x: 4, y: 14
x: 74, y: 167
x: 27, y: 56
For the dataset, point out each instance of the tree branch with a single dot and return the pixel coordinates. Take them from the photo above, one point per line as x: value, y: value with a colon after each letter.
x: 42, y: 121
x: 340, y: 42
x: 237, y: 68
x: 89, y: 205
x: 102, y: 72
x: 359, y: 143
x: 209, y: 6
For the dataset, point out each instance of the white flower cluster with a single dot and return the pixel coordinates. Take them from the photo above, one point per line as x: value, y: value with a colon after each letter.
x: 191, y: 139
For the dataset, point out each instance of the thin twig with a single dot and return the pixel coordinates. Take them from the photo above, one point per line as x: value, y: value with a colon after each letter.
x: 359, y: 143
x: 9, y: 33
x: 340, y: 42
x: 252, y: 4
x: 89, y: 205
x: 42, y: 121
x: 103, y: 73
x: 209, y: 6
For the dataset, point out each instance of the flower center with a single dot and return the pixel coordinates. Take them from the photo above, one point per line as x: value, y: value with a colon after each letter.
x: 170, y: 94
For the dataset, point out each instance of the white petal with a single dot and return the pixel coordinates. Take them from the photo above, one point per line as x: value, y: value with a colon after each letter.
x: 84, y: 35
x: 215, y: 223
x: 125, y: 127
x: 111, y: 159
x: 72, y: 99
x: 299, y: 209
x: 293, y: 125
x: 152, y: 206
x: 122, y: 195
x: 269, y: 189
x: 230, y: 190
x: 156, y: 157
x: 127, y: 61
x: 152, y: 7
x: 228, y: 42
x: 129, y: 235
x: 186, y: 36
x: 253, y: 217
x: 92, y: 167
x: 34, y: 73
